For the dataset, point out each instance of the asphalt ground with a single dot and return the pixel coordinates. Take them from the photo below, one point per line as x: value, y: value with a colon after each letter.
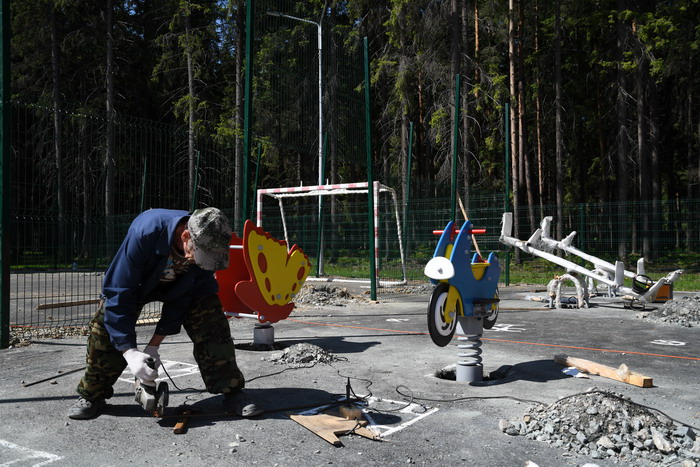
x: 385, y: 353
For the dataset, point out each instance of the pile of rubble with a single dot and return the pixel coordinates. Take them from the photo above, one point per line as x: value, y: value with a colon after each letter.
x: 324, y: 295
x: 683, y: 311
x: 605, y: 425
x: 302, y: 355
x: 22, y: 337
x: 417, y: 289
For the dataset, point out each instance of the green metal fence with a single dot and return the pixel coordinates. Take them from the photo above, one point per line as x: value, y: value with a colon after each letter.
x: 59, y: 248
x: 64, y: 232
x: 47, y: 293
x: 61, y: 238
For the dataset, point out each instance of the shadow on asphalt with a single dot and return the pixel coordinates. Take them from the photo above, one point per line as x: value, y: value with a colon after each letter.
x: 335, y: 344
x: 536, y: 371
x: 278, y: 403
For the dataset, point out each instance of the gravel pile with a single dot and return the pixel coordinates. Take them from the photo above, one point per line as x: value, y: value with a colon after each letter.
x: 325, y: 295
x: 23, y: 337
x: 683, y: 311
x: 301, y: 355
x: 419, y: 289
x: 605, y: 425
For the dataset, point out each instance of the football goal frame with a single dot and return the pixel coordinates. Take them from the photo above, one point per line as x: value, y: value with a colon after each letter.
x: 339, y: 189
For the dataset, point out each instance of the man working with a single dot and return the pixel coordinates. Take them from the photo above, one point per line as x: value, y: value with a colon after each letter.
x: 168, y: 256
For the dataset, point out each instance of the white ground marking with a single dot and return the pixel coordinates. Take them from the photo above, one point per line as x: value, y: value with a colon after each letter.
x: 23, y: 455
x: 506, y: 328
x: 174, y: 369
x: 384, y: 430
x: 397, y: 320
x: 663, y: 342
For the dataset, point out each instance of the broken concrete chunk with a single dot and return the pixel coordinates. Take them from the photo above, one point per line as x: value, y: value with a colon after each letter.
x: 661, y: 443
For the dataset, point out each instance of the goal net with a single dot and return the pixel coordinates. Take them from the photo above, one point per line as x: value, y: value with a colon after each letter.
x: 387, y: 238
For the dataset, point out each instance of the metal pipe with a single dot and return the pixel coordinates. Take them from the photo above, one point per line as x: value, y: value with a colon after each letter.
x: 455, y: 139
x: 370, y: 178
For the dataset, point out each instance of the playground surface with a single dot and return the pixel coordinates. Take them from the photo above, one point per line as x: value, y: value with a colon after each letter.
x: 384, y: 351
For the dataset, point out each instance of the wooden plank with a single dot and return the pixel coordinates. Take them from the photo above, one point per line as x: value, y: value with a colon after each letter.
x: 622, y: 373
x: 48, y: 306
x: 329, y: 426
x: 181, y: 425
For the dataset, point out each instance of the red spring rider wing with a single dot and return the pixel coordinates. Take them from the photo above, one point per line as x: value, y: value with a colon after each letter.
x: 232, y: 275
x: 276, y: 276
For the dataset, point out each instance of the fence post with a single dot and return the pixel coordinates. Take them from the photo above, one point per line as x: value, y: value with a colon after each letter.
x: 319, y: 237
x: 370, y: 179
x: 5, y: 154
x: 582, y: 226
x: 506, y: 200
x: 455, y: 139
x: 247, y: 127
x: 407, y: 194
x: 143, y: 184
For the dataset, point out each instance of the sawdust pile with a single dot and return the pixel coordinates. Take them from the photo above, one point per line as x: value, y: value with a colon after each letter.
x: 325, y: 295
x: 683, y: 311
x: 605, y: 425
x: 301, y: 355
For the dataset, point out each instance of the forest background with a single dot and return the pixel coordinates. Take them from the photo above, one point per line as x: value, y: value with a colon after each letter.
x: 603, y: 105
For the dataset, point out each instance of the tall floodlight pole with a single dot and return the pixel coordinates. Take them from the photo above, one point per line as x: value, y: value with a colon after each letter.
x: 319, y: 30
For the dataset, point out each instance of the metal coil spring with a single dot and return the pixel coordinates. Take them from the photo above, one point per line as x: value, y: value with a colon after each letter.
x: 469, y: 350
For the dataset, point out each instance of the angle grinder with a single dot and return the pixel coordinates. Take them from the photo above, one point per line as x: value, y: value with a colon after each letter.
x: 153, y: 399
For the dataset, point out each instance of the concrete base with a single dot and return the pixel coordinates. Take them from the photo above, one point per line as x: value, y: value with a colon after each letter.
x: 470, y: 369
x: 263, y: 334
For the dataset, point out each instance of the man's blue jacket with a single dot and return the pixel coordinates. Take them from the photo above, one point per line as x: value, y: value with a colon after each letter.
x: 135, y: 273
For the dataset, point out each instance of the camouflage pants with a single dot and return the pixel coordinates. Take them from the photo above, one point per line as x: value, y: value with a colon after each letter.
x: 213, y: 351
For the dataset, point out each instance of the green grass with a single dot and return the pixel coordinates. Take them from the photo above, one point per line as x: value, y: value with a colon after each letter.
x: 530, y: 271
x: 540, y: 271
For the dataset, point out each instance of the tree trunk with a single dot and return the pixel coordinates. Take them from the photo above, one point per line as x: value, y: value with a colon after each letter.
x: 477, y: 49
x: 655, y: 168
x: 693, y: 230
x: 109, y: 143
x: 622, y: 142
x: 404, y: 129
x: 58, y: 137
x: 423, y: 163
x: 605, y: 164
x: 558, y: 136
x: 455, y: 62
x: 642, y: 149
x: 522, y: 140
x: 85, y: 243
x: 466, y: 150
x: 190, y: 111
x: 538, y: 120
x: 513, y: 124
x: 239, y: 176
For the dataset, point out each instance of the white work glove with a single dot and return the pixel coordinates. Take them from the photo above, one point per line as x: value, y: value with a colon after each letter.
x: 152, y: 350
x: 138, y: 366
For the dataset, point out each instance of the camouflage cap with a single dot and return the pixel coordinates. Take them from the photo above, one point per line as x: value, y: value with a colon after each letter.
x: 211, y: 235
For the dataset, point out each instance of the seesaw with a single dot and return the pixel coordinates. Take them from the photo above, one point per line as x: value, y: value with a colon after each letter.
x: 644, y: 290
